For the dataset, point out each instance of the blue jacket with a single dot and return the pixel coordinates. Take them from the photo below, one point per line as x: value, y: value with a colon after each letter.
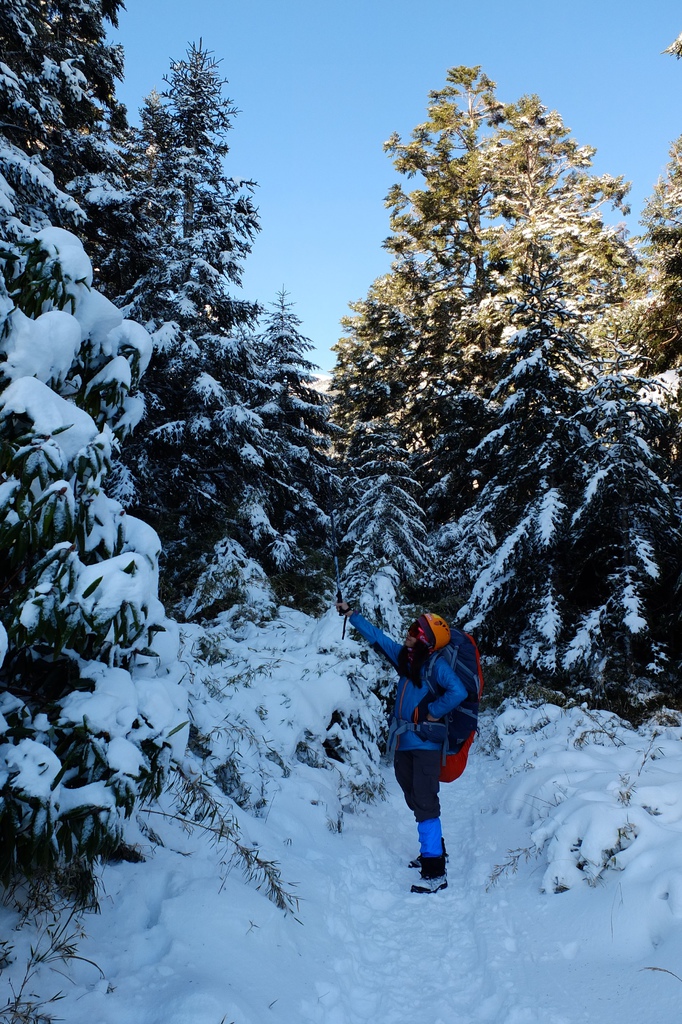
x: 408, y: 694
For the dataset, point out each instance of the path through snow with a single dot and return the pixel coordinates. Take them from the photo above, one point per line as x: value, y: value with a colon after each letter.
x: 456, y: 956
x: 502, y: 953
x: 176, y: 947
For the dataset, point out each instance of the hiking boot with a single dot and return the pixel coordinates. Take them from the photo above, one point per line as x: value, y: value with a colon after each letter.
x: 430, y: 884
x: 433, y: 875
x: 417, y: 862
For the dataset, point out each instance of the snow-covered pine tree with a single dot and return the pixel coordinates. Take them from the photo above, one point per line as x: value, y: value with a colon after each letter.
x: 130, y: 253
x: 29, y: 110
x: 385, y: 533
x: 492, y: 179
x: 85, y: 151
x: 441, y: 282
x: 625, y: 536
x: 57, y: 106
x: 545, y: 193
x: 89, y: 694
x: 531, y: 463
x: 283, y: 518
x: 662, y: 313
x: 421, y: 348
x: 195, y: 449
x: 365, y: 384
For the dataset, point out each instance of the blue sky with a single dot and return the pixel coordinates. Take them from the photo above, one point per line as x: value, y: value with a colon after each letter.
x: 321, y: 84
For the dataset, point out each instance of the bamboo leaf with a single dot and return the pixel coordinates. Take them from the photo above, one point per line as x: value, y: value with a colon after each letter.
x: 93, y: 587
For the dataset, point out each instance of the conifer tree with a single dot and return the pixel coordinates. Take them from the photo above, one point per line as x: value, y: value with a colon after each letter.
x: 125, y: 219
x: 442, y: 279
x: 196, y: 445
x: 531, y: 463
x: 284, y: 515
x: 385, y: 528
x: 57, y: 107
x: 626, y: 534
x: 377, y: 341
x: 662, y: 316
x: 496, y: 182
x: 133, y: 261
x: 545, y: 194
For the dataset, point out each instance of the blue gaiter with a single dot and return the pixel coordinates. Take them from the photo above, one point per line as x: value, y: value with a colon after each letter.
x: 430, y: 837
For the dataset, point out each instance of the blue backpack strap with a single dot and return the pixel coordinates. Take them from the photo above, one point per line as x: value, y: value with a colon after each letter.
x: 466, y: 674
x: 463, y: 720
x: 435, y: 689
x: 428, y: 675
x: 397, y: 728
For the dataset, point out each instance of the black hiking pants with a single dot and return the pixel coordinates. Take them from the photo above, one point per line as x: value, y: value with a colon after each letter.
x: 417, y: 772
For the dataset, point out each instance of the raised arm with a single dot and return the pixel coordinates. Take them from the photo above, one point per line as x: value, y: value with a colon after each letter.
x: 371, y: 633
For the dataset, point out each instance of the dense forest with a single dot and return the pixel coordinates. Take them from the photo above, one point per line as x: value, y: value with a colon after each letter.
x: 500, y: 440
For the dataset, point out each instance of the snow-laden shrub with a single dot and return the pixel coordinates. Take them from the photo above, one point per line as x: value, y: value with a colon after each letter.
x: 285, y: 703
x: 231, y: 580
x: 379, y: 599
x: 599, y: 796
x: 89, y: 694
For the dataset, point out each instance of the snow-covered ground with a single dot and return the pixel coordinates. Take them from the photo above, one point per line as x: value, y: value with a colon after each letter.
x: 590, y: 807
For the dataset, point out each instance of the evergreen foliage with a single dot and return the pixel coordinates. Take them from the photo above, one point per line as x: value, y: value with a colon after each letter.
x: 662, y: 315
x: 283, y: 512
x: 626, y: 534
x: 198, y: 439
x: 531, y: 461
x: 675, y: 48
x: 57, y: 108
x: 501, y: 446
x: 386, y: 532
x: 495, y: 183
x: 378, y: 340
x: 547, y: 471
x: 546, y: 195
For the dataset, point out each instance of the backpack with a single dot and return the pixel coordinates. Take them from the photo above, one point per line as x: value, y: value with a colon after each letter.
x: 461, y: 654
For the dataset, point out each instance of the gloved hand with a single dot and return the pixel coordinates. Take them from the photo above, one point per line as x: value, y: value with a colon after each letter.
x: 343, y: 608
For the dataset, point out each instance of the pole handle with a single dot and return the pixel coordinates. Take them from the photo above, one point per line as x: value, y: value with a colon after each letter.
x: 339, y: 599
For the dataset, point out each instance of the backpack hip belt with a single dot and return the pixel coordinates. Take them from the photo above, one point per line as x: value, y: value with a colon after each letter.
x: 430, y: 732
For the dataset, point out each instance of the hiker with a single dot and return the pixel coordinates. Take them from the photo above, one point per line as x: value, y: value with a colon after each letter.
x: 417, y: 729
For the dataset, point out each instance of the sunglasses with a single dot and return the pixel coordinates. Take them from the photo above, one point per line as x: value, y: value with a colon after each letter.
x: 417, y: 633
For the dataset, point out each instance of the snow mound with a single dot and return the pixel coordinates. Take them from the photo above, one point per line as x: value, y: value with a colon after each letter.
x: 601, y: 798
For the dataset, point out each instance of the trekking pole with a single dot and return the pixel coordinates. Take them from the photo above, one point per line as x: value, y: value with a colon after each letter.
x: 336, y: 558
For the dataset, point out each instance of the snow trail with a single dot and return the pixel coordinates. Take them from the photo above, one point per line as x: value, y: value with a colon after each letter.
x: 176, y: 944
x: 476, y: 953
x: 400, y: 952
